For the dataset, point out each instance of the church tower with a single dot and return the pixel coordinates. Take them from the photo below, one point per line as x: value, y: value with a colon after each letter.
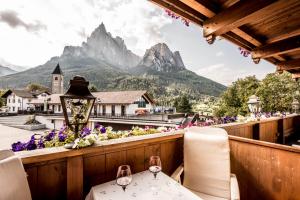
x: 57, y: 81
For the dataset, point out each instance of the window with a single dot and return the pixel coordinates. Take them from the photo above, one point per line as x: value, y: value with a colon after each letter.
x: 8, y: 100
x: 141, y: 102
x: 14, y: 101
x: 56, y: 78
x: 59, y: 108
x: 113, y: 111
x: 19, y: 100
x: 103, y: 110
x: 123, y: 110
x: 13, y: 109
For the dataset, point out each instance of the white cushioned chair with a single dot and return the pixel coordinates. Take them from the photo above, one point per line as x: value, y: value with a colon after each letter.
x: 13, y: 178
x: 207, y: 164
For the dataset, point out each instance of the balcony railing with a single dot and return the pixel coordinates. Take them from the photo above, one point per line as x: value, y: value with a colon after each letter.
x: 264, y: 170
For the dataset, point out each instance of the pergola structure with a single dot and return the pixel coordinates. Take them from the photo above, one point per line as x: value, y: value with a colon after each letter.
x: 269, y: 29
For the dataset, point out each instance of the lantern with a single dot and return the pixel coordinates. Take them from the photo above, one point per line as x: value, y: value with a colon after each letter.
x: 254, y: 104
x: 77, y: 104
x: 295, y: 105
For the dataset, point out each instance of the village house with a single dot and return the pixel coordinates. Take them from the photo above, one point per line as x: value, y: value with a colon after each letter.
x: 19, y: 100
x: 118, y: 103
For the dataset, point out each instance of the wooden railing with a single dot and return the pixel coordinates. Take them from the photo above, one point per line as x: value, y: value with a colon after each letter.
x: 57, y: 173
x: 274, y: 130
x: 264, y: 170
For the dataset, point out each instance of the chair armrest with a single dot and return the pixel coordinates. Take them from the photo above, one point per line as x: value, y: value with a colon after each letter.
x: 177, y: 173
x: 234, y: 186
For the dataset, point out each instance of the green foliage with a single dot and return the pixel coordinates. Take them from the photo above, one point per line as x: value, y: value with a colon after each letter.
x: 276, y: 92
x: 33, y: 87
x: 93, y: 88
x: 2, y: 101
x: 183, y: 104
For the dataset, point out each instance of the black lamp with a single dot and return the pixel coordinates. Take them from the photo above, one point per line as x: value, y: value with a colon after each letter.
x: 77, y: 104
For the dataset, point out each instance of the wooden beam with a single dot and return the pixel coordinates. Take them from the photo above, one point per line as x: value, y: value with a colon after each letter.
x: 289, y: 65
x: 277, y: 48
x: 180, y: 9
x: 239, y: 14
x: 209, y: 10
x: 75, y: 178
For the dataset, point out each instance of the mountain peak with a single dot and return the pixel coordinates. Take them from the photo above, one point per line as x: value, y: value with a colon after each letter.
x: 101, y: 46
x: 159, y: 57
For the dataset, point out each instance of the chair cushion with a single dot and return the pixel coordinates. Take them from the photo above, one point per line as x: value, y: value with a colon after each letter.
x: 5, y: 154
x: 207, y: 161
x: 13, y: 180
x: 206, y: 196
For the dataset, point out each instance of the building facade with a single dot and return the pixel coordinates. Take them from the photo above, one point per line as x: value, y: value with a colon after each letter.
x: 57, y: 83
x: 20, y: 100
x: 121, y: 103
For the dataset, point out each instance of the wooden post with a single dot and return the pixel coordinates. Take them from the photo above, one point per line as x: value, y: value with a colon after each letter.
x: 280, y: 138
x: 75, y: 178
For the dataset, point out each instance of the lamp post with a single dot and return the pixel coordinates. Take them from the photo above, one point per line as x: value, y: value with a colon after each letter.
x: 295, y: 106
x: 254, y: 104
x: 79, y: 101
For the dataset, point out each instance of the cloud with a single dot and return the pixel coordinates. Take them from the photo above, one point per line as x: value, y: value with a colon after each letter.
x: 219, y: 53
x: 221, y: 73
x: 12, y: 19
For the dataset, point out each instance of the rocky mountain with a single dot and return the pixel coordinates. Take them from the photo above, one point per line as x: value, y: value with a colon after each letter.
x: 101, y: 46
x: 161, y: 58
x: 6, y: 71
x: 107, y: 63
x: 15, y: 68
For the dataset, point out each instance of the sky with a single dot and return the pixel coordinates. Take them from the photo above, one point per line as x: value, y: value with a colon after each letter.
x: 33, y: 31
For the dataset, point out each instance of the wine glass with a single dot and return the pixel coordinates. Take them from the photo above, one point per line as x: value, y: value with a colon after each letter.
x: 154, y: 165
x: 124, y: 176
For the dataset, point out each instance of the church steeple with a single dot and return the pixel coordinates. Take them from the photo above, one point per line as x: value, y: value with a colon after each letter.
x: 57, y: 70
x: 57, y: 80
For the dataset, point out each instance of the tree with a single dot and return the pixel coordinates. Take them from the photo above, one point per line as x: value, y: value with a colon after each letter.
x: 33, y: 87
x: 93, y: 88
x: 277, y: 91
x: 184, y: 105
x: 2, y: 102
x: 233, y: 101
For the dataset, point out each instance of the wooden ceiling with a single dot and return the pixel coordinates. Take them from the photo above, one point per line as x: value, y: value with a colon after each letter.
x: 270, y: 29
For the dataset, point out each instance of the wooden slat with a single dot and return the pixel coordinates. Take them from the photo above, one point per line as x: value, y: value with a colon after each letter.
x: 290, y: 64
x: 277, y: 48
x: 94, y: 171
x: 75, y: 178
x: 237, y: 15
x: 153, y: 150
x: 135, y: 158
x: 265, y: 171
x: 52, y: 181
x: 113, y: 161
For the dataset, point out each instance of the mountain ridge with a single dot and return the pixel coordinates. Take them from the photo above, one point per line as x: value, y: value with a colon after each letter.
x: 107, y: 63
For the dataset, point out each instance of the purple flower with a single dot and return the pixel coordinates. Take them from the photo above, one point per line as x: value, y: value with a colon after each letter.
x: 103, y: 129
x: 61, y: 135
x: 50, y: 136
x: 85, y: 131
x: 18, y: 146
x: 31, y: 144
x: 41, y: 144
x: 97, y: 125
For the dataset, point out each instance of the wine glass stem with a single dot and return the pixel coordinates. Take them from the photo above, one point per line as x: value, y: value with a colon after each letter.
x: 124, y: 188
x: 155, y: 174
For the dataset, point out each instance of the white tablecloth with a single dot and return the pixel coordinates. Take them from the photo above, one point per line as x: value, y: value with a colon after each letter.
x: 143, y: 187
